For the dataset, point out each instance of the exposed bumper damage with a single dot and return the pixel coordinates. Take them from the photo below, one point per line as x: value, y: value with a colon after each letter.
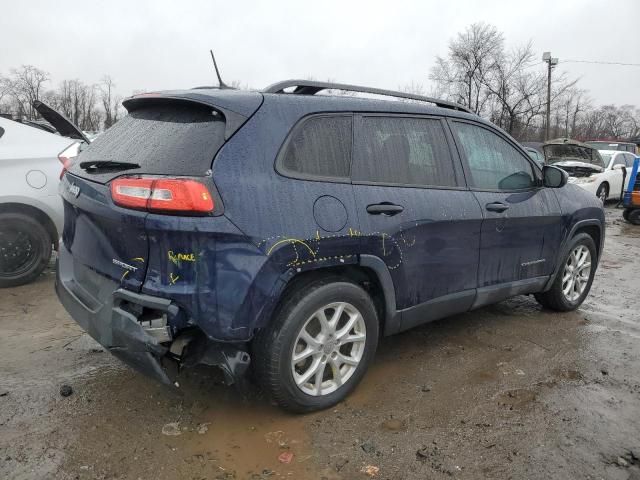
x: 136, y: 328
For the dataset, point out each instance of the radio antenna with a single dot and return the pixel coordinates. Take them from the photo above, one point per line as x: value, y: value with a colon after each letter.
x: 221, y: 84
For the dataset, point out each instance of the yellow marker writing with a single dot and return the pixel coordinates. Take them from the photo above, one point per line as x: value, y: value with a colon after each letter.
x: 176, y: 258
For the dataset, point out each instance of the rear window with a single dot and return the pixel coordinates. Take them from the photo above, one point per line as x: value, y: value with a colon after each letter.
x: 167, y: 138
x: 320, y: 147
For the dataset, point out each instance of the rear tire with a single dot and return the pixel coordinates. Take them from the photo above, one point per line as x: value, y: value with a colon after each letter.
x: 335, y: 357
x: 603, y: 192
x: 634, y: 216
x: 25, y: 249
x: 572, y: 283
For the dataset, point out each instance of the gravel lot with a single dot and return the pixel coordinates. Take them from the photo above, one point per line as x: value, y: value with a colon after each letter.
x: 509, y: 391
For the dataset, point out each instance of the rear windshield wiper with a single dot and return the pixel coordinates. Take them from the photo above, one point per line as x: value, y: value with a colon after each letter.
x: 107, y: 164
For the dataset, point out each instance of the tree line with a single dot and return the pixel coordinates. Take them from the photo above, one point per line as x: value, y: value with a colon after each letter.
x: 509, y: 87
x: 504, y: 85
x: 92, y: 107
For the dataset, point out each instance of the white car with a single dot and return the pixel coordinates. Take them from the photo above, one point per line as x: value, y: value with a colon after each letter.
x: 608, y: 184
x: 31, y: 213
x: 599, y: 172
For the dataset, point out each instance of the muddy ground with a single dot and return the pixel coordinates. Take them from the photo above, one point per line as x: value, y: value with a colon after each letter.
x: 509, y: 391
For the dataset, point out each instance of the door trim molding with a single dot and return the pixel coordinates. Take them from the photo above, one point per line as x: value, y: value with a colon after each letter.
x: 495, y: 293
x: 437, y: 308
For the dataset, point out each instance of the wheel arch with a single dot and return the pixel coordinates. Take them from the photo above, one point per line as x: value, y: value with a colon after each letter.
x: 34, y: 212
x: 605, y: 183
x: 370, y: 273
x: 594, y: 229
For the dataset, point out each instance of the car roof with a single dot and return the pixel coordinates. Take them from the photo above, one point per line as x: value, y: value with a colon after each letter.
x: 611, y: 142
x: 246, y: 102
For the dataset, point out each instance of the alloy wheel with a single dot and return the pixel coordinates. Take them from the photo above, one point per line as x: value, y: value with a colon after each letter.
x: 328, y: 349
x: 576, y: 273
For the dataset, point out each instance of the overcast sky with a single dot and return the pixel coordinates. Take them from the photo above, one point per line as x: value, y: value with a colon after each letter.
x: 151, y: 45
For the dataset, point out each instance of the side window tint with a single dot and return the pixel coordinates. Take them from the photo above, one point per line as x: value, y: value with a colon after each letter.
x: 408, y: 151
x: 630, y: 160
x: 494, y: 163
x: 321, y: 147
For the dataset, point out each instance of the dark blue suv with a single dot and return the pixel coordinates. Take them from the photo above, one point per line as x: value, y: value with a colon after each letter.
x: 287, y: 231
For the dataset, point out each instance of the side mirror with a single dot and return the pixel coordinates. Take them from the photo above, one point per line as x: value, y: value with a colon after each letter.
x: 618, y: 167
x: 554, y: 177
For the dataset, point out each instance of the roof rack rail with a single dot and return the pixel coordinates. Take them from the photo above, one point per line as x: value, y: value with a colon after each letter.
x: 311, y: 87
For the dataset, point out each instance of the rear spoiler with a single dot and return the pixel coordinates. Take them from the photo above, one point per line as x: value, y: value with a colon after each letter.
x: 236, y: 107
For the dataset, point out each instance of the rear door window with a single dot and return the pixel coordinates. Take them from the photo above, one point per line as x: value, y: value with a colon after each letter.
x: 167, y: 138
x: 493, y: 162
x: 319, y: 148
x: 403, y: 151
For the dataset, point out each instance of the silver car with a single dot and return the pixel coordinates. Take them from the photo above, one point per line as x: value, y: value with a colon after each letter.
x: 32, y: 159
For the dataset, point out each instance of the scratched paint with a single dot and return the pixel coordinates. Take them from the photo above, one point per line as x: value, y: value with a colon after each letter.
x: 307, y: 251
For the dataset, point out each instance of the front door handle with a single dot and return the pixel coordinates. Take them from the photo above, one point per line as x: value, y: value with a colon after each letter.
x: 384, y: 208
x: 497, y: 207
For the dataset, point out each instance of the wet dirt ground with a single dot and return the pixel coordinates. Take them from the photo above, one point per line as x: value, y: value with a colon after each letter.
x: 509, y: 391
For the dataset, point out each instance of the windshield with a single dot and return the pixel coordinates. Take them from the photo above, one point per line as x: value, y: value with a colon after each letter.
x: 606, y: 157
x: 575, y: 153
x: 624, y: 147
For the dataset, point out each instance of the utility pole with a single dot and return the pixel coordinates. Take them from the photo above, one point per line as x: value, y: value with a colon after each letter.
x: 551, y: 62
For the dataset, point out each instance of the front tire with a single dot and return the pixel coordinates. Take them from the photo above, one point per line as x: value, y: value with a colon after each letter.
x: 573, y: 281
x: 25, y: 249
x: 319, y: 345
x: 603, y: 192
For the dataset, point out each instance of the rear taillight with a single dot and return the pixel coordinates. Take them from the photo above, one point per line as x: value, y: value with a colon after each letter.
x: 67, y: 156
x: 162, y: 194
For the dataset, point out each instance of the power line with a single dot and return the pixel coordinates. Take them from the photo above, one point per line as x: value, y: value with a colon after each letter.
x: 602, y: 63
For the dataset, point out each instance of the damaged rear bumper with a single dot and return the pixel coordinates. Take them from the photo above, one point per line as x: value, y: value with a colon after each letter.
x: 135, y: 327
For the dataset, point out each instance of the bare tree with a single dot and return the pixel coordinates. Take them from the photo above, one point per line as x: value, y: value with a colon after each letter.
x: 5, y: 92
x: 516, y: 89
x: 77, y: 101
x: 473, y: 56
x: 26, y: 85
x: 110, y: 101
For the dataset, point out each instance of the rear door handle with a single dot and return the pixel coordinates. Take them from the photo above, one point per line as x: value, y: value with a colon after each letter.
x: 384, y: 208
x: 497, y: 207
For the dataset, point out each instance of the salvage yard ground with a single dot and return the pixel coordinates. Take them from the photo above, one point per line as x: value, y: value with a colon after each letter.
x: 508, y: 391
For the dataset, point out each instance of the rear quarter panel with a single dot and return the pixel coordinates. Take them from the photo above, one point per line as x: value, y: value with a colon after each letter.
x: 30, y: 170
x: 275, y: 216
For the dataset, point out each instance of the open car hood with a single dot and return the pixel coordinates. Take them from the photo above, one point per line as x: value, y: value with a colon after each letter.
x: 571, y: 164
x: 62, y: 124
